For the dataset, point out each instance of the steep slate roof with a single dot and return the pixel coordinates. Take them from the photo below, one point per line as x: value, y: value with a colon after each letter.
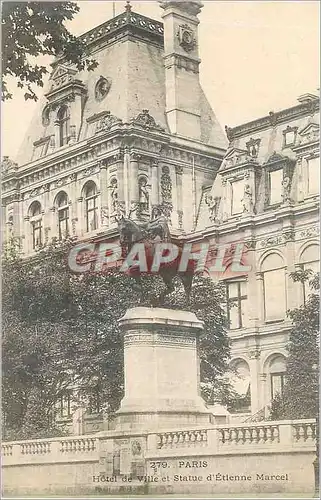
x: 129, y: 50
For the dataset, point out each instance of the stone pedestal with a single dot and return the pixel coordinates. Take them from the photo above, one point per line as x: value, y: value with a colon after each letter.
x: 161, y: 370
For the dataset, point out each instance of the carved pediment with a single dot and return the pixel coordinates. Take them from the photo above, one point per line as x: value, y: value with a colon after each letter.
x: 61, y: 76
x: 309, y: 133
x: 277, y: 158
x: 237, y: 156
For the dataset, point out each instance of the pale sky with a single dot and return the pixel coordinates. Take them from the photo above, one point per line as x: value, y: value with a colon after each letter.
x: 256, y: 57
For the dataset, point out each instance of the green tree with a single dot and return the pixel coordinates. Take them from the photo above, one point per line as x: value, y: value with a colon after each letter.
x: 300, y: 398
x: 61, y: 329
x: 33, y: 29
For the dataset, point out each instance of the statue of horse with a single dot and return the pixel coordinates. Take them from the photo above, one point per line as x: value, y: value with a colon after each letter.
x: 156, y: 230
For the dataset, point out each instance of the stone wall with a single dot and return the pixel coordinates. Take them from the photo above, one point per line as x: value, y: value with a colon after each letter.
x: 265, y: 457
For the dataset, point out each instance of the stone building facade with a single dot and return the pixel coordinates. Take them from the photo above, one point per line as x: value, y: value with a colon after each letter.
x: 138, y: 133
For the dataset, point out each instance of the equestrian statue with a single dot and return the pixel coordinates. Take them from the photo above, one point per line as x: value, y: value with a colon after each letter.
x: 150, y: 233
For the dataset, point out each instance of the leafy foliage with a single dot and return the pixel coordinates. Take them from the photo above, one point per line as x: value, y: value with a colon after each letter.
x: 61, y: 330
x: 33, y: 29
x: 300, y: 398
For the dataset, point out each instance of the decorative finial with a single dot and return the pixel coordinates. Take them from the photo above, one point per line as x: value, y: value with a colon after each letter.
x: 128, y: 7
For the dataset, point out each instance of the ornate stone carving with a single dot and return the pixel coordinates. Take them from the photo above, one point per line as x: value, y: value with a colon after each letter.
x: 114, y: 195
x: 309, y: 232
x: 247, y: 201
x: 136, y: 448
x: 286, y: 185
x: 229, y: 133
x: 107, y: 122
x: 274, y: 240
x: 8, y: 166
x: 166, y: 185
x: 143, y: 194
x: 253, y: 146
x: 254, y: 353
x: 288, y: 234
x: 273, y: 118
x: 104, y: 216
x: 145, y: 120
x: 179, y: 170
x: 186, y: 37
x: 212, y: 203
x: 102, y: 88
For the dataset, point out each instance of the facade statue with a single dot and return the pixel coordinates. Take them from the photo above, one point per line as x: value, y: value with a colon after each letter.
x: 247, y: 200
x: 114, y: 195
x: 104, y: 215
x: 286, y: 189
x: 143, y: 194
x: 213, y: 203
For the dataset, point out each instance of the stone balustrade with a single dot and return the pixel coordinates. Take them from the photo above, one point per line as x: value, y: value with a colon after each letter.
x: 219, y: 440
x: 182, y: 438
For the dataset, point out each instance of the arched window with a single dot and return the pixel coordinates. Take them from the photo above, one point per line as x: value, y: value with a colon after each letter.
x: 36, y: 224
x: 277, y: 369
x: 63, y: 214
x: 309, y: 259
x: 64, y: 125
x: 273, y: 270
x: 91, y: 208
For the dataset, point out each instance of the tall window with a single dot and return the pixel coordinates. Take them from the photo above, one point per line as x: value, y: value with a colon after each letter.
x: 94, y: 404
x: 63, y: 404
x: 277, y: 375
x: 236, y: 294
x: 36, y: 224
x: 313, y: 175
x: 64, y: 125
x: 275, y: 186
x: 63, y: 215
x: 91, y: 206
x: 273, y: 270
x: 237, y: 196
x: 310, y: 259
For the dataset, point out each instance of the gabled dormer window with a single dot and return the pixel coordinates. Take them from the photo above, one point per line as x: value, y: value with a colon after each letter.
x: 63, y: 119
x: 252, y: 147
x: 289, y: 136
x: 275, y: 187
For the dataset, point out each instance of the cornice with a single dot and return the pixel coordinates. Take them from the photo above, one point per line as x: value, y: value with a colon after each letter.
x: 273, y: 119
x: 125, y: 23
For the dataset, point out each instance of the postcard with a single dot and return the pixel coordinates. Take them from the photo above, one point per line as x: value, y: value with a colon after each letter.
x: 160, y: 249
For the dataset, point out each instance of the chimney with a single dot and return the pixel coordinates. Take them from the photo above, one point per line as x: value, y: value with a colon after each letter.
x: 181, y: 60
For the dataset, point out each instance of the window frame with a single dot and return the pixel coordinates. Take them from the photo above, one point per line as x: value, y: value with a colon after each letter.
x: 63, y: 219
x: 88, y: 210
x: 282, y: 376
x: 239, y: 300
x: 63, y: 118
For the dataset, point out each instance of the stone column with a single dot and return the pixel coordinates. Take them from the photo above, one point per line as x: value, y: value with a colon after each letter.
x: 133, y: 178
x: 179, y: 190
x: 161, y: 370
x: 254, y: 356
x: 260, y: 297
x: 47, y: 220
x: 154, y: 183
x: 73, y: 215
x: 81, y: 216
x: 104, y: 210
